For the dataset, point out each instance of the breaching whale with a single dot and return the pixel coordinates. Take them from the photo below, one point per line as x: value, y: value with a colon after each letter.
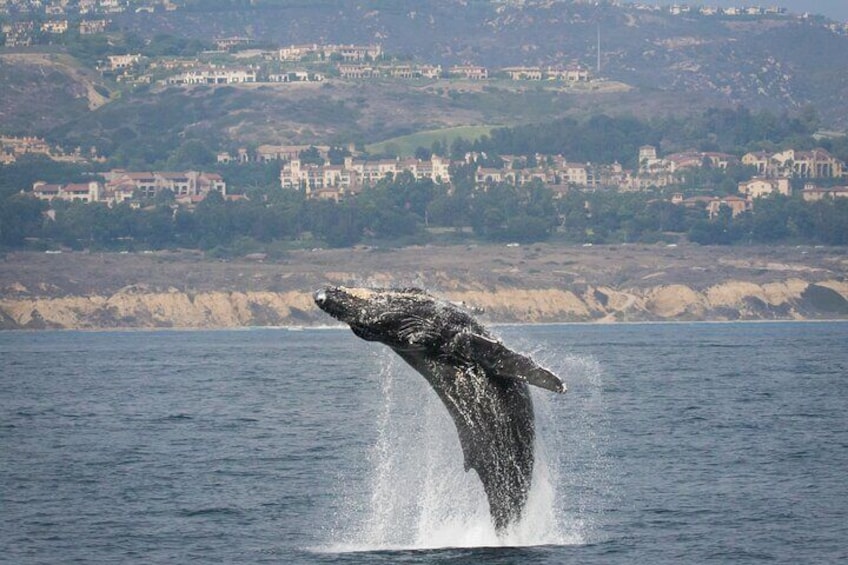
x: 481, y: 382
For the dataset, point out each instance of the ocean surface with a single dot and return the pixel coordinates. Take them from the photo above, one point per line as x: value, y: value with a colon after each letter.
x: 676, y: 443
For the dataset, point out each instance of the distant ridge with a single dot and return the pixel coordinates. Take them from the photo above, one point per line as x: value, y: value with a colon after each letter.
x: 771, y: 60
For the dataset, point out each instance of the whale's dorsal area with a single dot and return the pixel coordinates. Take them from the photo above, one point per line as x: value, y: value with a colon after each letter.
x: 481, y: 382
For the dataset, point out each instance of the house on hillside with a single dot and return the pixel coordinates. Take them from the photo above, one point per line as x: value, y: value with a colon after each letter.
x: 759, y: 159
x: 355, y: 52
x: 112, y: 6
x: 648, y: 160
x: 523, y: 73
x: 357, y: 72
x: 267, y: 153
x: 714, y: 204
x: 74, y: 192
x: 121, y: 185
x: 347, y: 53
x: 758, y: 187
x: 349, y: 178
x: 720, y: 160
x: 123, y: 62
x: 554, y: 171
x: 736, y: 205
x: 572, y: 73
x: 91, y: 27
x: 297, y: 52
x: 817, y: 163
x: 577, y: 174
x: 296, y: 76
x: 812, y: 193
x: 471, y: 72
x: 488, y: 175
x: 696, y: 159
x: 225, y: 43
x: 18, y: 34
x: 55, y: 26
x: 214, y: 75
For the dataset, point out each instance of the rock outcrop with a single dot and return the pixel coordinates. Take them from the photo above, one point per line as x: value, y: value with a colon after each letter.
x: 539, y: 283
x: 134, y: 307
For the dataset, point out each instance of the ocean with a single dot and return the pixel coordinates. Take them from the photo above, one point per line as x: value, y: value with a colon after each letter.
x: 675, y: 443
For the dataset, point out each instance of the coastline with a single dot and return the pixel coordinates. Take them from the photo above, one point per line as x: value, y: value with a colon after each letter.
x: 538, y: 284
x: 178, y: 329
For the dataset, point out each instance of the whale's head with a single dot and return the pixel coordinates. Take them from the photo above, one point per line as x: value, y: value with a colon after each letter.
x: 402, y: 318
x: 410, y: 321
x: 339, y: 302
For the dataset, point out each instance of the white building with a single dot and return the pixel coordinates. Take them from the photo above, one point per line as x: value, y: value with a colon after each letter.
x: 211, y: 75
x: 356, y: 173
x: 758, y: 187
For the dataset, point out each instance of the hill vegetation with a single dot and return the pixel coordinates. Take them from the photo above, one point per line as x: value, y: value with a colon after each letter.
x: 772, y: 61
x: 671, y: 64
x: 43, y: 91
x: 405, y: 210
x: 678, y: 82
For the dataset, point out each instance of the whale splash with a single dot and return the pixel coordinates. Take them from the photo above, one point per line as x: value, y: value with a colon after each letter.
x: 481, y: 382
x: 416, y: 495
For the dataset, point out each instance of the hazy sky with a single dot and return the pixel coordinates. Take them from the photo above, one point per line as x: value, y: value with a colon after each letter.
x: 836, y: 9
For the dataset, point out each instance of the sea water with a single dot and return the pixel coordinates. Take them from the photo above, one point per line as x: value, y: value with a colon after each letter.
x: 675, y: 443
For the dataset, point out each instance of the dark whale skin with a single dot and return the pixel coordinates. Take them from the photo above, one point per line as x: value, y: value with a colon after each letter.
x: 482, y: 383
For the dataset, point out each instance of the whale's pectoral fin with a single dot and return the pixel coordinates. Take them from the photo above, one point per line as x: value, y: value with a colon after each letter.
x: 437, y: 373
x: 499, y: 360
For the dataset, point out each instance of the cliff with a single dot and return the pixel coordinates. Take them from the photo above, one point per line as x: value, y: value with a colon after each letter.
x: 538, y: 284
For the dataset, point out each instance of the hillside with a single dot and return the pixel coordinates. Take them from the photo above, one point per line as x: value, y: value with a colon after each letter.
x: 652, y: 64
x: 775, y: 61
x: 336, y: 112
x: 539, y: 283
x: 42, y: 91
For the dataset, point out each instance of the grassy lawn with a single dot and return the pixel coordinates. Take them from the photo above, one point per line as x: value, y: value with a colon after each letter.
x: 406, y: 145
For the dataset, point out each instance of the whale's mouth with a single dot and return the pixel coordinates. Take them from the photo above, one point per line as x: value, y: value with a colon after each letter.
x: 325, y: 301
x: 320, y: 297
x: 333, y: 301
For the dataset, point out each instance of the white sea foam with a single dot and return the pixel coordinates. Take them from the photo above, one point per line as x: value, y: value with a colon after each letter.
x: 420, y: 497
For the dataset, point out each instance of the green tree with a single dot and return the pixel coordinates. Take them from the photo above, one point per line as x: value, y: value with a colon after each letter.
x: 830, y: 218
x: 191, y: 154
x: 336, y: 224
x: 423, y: 154
x: 21, y: 216
x: 337, y: 155
x: 720, y: 230
x: 311, y: 156
x: 769, y: 221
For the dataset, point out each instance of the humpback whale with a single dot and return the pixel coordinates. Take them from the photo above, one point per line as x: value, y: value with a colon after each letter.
x: 481, y: 382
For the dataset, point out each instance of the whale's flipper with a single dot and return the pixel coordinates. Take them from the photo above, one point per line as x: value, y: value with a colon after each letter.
x: 497, y: 359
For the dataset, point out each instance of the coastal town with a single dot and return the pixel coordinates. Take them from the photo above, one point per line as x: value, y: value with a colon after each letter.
x: 345, y: 88
x: 188, y: 187
x: 13, y: 147
x: 76, y: 8
x: 237, y: 60
x: 336, y: 182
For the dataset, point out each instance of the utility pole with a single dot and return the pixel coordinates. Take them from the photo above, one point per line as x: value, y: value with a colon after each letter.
x: 598, y: 70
